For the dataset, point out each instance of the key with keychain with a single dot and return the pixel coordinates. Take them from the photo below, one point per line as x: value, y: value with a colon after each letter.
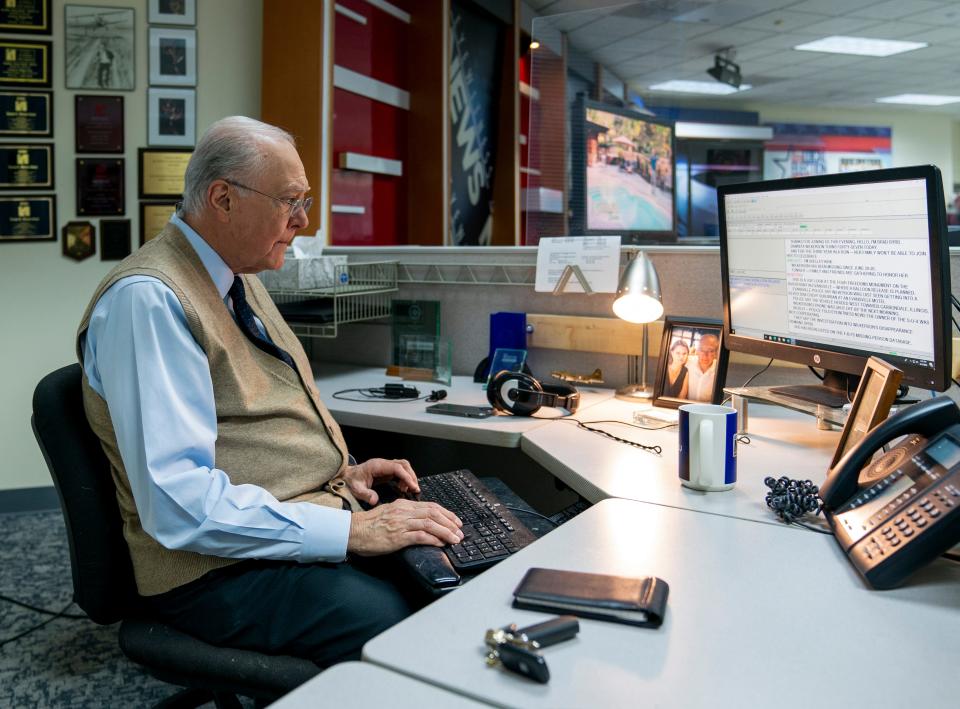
x: 516, y: 649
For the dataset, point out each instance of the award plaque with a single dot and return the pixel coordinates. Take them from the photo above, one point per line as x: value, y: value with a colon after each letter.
x: 161, y: 172
x: 100, y: 187
x: 26, y: 114
x: 114, y: 239
x: 25, y: 17
x: 99, y: 124
x: 26, y: 167
x: 31, y: 218
x: 79, y: 240
x: 153, y: 218
x: 25, y: 63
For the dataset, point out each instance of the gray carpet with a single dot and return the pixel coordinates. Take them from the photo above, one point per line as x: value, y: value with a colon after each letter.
x: 66, y: 663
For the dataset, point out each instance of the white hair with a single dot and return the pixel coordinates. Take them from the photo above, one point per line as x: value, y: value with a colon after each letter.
x: 233, y: 148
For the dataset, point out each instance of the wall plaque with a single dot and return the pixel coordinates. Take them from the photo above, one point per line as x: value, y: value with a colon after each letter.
x: 31, y: 218
x: 161, y: 172
x: 25, y: 63
x: 25, y: 17
x: 26, y: 167
x: 79, y: 240
x: 100, y: 187
x: 153, y: 218
x: 26, y: 114
x: 99, y: 124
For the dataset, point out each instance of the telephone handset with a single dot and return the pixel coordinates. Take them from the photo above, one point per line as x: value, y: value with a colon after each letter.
x: 897, y: 513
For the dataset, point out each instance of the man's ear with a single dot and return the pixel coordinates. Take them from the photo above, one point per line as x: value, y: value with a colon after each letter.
x: 219, y: 200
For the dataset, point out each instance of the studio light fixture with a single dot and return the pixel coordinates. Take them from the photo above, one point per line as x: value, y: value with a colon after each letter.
x: 860, y: 46
x: 726, y: 71
x: 685, y: 86
x: 920, y: 99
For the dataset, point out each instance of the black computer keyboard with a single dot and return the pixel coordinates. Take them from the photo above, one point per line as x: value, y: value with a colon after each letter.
x: 490, y: 531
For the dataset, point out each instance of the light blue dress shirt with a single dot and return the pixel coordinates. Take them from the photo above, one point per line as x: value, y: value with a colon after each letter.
x: 141, y: 357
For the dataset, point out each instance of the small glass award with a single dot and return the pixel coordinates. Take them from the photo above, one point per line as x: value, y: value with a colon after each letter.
x: 506, y: 359
x: 425, y: 358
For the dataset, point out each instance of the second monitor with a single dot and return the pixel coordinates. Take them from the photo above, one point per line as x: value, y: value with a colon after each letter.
x: 830, y: 270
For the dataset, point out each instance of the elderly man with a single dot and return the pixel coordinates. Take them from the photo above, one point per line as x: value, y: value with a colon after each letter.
x: 238, y: 497
x: 703, y: 370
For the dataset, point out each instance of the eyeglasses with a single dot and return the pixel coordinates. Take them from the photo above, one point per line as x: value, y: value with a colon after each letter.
x: 294, y: 204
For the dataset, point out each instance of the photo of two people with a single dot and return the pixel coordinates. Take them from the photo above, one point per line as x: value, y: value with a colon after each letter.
x: 692, y: 364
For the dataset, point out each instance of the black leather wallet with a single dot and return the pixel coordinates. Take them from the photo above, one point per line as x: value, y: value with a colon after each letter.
x: 621, y: 599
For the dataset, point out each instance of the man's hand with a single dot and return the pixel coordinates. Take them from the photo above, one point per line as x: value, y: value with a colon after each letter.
x: 400, y: 524
x: 361, y: 478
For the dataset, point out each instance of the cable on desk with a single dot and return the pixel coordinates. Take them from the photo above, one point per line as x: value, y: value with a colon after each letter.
x: 747, y: 383
x: 391, y: 393
x: 38, y: 626
x: 744, y: 439
x: 588, y: 427
x: 792, y: 499
x: 520, y: 510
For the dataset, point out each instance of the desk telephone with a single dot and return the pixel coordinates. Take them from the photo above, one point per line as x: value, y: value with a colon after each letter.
x: 899, y: 512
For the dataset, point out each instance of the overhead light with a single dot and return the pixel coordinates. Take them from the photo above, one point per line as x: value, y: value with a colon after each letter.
x: 684, y: 86
x: 920, y: 99
x: 534, y: 44
x: 861, y: 46
x: 726, y: 71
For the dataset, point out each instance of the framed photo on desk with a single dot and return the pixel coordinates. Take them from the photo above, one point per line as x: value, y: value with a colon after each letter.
x: 692, y: 367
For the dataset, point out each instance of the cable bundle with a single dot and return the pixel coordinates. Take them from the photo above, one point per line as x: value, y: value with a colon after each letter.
x: 791, y: 499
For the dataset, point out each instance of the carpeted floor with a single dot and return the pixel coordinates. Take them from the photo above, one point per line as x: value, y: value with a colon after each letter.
x: 66, y: 663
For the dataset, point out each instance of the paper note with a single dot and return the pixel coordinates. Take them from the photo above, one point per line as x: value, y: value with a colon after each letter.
x: 597, y: 256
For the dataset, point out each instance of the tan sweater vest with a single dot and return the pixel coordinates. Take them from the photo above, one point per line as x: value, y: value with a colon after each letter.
x: 272, y: 429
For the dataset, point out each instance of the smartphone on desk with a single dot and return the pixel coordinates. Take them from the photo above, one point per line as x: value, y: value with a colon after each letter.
x: 472, y: 412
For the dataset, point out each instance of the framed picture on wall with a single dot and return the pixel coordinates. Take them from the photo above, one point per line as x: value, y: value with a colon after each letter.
x: 692, y: 366
x: 99, y: 51
x: 172, y: 12
x: 171, y: 117
x: 154, y: 217
x: 173, y: 57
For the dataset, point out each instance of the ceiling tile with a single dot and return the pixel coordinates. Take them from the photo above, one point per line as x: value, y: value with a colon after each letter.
x: 841, y: 26
x: 720, y: 14
x: 782, y: 21
x: 896, y: 9
x: 946, y: 16
x: 834, y: 8
x: 897, y: 30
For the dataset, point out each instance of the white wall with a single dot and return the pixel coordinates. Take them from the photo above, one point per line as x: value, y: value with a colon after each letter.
x: 919, y: 138
x: 43, y: 294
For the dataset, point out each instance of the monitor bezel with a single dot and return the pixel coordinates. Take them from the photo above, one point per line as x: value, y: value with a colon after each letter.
x: 829, y: 358
x: 579, y: 191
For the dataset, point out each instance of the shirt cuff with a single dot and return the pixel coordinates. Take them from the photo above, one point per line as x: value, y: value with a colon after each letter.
x: 325, y: 534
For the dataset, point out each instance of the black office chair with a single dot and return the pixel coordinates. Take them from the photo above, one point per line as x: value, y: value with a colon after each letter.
x: 103, y: 581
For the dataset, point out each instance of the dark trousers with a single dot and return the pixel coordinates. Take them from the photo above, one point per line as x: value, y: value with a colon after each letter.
x: 321, y: 612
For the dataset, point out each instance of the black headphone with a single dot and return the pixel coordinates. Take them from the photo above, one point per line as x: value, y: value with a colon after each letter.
x: 521, y: 395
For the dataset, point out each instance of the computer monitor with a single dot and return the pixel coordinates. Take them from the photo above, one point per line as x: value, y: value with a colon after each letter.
x: 623, y: 173
x: 829, y: 270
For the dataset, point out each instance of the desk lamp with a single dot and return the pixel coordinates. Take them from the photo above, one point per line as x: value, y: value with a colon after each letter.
x: 638, y: 301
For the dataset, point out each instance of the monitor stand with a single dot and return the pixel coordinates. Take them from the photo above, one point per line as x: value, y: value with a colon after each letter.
x: 836, y: 390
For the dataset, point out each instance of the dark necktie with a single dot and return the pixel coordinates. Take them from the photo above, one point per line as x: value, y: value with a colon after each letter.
x: 249, y: 326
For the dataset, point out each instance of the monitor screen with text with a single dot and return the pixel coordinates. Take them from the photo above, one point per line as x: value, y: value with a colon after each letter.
x: 846, y: 267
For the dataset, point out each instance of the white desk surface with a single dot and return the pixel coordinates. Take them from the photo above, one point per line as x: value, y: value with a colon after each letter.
x: 410, y: 417
x: 757, y: 616
x: 360, y: 684
x: 783, y: 442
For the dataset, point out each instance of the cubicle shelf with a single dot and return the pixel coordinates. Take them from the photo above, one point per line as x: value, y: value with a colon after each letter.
x: 505, y: 274
x: 360, y: 292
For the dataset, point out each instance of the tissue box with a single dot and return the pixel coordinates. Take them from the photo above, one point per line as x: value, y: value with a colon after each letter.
x: 304, y: 273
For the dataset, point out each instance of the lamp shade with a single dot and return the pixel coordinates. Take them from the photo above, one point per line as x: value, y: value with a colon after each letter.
x: 638, y: 295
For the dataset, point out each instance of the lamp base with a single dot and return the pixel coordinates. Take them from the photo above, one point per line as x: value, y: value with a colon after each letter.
x: 634, y: 392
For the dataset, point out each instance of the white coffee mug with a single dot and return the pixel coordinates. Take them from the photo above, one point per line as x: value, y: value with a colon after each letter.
x: 708, y: 446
